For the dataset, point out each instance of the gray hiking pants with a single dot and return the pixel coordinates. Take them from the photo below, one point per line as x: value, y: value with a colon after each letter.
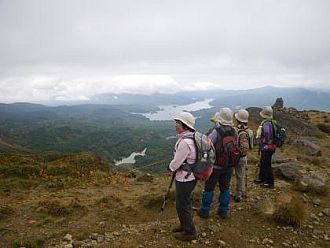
x: 183, y: 191
x: 240, y: 177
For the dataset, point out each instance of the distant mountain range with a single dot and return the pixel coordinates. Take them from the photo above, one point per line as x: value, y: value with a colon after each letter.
x: 122, y: 104
x: 299, y: 98
x: 110, y: 125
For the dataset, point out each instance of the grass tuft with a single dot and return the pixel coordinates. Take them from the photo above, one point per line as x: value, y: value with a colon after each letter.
x: 5, y: 211
x: 290, y: 211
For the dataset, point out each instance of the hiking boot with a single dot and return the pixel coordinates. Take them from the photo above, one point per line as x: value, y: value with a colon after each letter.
x: 267, y: 185
x: 178, y: 228
x: 237, y: 198
x: 203, y: 214
x: 185, y: 236
x: 258, y: 181
x: 223, y: 215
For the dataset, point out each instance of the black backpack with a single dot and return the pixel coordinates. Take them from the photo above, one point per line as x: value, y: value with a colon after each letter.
x: 279, y: 134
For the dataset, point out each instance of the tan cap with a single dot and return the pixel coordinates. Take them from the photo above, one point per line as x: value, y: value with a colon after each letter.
x: 226, y: 116
x: 242, y: 115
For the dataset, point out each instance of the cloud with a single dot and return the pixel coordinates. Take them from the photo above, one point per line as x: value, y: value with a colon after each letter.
x: 71, y: 49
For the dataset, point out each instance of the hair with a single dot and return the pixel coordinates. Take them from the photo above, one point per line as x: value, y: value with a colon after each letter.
x: 240, y: 122
x: 184, y: 126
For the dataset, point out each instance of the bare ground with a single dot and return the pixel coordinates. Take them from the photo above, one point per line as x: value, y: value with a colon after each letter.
x: 126, y: 213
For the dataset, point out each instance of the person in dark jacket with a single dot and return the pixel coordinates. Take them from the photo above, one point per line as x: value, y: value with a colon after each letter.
x: 220, y: 174
x: 265, y: 135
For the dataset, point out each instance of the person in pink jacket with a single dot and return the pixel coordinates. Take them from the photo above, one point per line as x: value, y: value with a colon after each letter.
x: 185, y: 182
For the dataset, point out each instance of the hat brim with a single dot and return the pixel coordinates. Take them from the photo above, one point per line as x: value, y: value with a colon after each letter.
x: 184, y: 122
x: 225, y: 123
x: 265, y: 116
x: 237, y: 118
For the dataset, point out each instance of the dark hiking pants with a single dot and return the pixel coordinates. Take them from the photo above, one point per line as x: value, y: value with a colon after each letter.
x: 221, y: 176
x: 266, y: 172
x: 184, y: 205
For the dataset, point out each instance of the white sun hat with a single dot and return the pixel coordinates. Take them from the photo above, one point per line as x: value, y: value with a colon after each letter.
x: 186, y: 118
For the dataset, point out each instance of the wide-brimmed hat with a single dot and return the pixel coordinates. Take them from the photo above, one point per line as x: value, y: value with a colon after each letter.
x: 186, y: 118
x: 226, y: 116
x: 242, y: 115
x: 266, y: 112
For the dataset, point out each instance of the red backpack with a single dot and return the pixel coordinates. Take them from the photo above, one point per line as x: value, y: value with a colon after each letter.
x: 227, y: 148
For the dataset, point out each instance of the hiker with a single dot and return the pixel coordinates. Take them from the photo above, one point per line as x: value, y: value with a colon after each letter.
x: 220, y: 174
x: 214, y: 118
x: 266, y: 148
x: 245, y: 141
x: 185, y: 182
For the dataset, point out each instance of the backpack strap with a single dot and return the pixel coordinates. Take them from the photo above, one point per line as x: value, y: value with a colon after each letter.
x: 185, y: 166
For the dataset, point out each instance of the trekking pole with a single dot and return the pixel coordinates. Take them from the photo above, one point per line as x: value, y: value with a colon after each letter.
x: 168, y: 192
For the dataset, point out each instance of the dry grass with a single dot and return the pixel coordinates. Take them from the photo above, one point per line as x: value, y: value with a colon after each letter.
x: 109, y: 201
x: 29, y: 243
x: 155, y: 201
x: 5, y: 211
x: 54, y: 207
x: 290, y: 211
x: 324, y: 127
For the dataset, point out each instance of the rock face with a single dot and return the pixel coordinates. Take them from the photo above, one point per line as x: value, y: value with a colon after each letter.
x: 279, y: 104
x: 293, y: 123
x: 306, y: 146
x: 288, y: 171
x: 312, y: 183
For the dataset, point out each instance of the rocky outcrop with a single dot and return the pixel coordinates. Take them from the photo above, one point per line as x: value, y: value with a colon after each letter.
x: 307, y: 146
x: 279, y: 104
x: 296, y: 122
x: 311, y: 183
x: 294, y: 125
x: 288, y: 171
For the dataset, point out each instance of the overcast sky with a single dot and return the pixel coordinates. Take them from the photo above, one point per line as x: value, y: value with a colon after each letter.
x: 73, y: 49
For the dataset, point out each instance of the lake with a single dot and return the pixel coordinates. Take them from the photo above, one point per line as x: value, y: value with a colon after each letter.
x: 168, y: 112
x: 131, y: 158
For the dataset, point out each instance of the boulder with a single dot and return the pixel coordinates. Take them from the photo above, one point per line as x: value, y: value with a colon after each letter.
x: 288, y: 171
x: 307, y: 146
x: 311, y: 183
x: 280, y: 160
